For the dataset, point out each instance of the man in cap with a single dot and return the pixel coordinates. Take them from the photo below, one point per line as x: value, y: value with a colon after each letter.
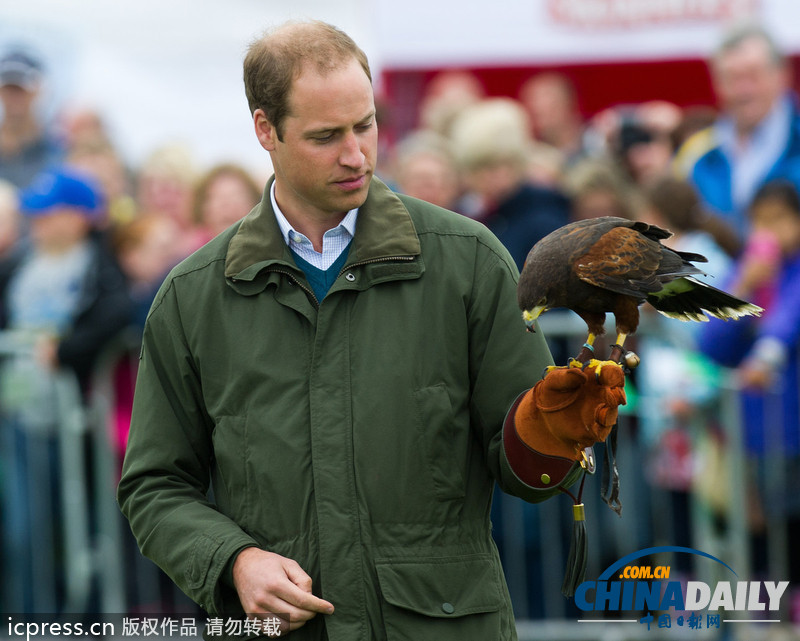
x: 25, y: 147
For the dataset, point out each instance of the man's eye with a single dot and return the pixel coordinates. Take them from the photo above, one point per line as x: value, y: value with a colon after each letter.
x: 323, y: 139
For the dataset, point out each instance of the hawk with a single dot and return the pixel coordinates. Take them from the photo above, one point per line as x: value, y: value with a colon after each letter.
x: 615, y: 265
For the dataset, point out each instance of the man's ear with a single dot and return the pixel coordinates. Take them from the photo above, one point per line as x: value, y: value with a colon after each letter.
x: 265, y: 132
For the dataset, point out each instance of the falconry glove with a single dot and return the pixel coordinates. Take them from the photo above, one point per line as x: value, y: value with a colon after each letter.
x: 571, y: 408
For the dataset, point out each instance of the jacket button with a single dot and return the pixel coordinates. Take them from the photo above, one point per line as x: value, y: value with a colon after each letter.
x: 448, y: 608
x: 350, y: 276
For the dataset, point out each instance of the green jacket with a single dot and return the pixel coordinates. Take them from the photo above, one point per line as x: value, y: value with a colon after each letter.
x: 360, y: 437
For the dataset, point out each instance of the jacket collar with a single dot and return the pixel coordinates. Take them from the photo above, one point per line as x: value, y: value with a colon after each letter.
x: 384, y: 230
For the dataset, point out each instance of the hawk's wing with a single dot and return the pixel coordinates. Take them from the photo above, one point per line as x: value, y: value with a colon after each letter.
x: 622, y: 260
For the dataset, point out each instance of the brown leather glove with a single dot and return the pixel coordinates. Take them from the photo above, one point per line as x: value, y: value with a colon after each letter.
x: 571, y: 408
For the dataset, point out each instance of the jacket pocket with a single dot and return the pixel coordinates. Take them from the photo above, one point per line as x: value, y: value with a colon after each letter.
x: 200, y: 559
x: 441, y: 598
x: 436, y: 423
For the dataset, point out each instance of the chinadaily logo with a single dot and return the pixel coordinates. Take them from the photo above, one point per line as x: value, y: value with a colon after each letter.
x: 666, y: 601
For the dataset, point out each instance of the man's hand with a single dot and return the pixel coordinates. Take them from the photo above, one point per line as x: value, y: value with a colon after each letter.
x: 268, y: 583
x: 571, y: 408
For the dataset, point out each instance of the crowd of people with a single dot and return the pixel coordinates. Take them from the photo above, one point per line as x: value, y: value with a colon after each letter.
x: 86, y: 240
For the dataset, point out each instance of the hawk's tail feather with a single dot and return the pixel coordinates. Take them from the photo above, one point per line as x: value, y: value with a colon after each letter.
x: 689, y: 299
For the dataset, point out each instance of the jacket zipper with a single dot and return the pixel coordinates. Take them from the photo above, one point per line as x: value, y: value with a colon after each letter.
x: 374, y: 260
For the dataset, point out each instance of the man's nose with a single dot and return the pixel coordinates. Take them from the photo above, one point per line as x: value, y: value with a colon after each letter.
x: 351, y: 154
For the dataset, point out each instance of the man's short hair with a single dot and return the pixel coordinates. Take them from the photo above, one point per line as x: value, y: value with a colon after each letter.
x: 277, y: 58
x: 744, y: 31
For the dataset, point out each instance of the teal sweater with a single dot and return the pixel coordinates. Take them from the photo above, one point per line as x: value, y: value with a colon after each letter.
x: 321, y: 279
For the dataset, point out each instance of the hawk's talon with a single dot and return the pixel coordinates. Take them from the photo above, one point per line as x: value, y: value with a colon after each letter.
x: 594, y: 362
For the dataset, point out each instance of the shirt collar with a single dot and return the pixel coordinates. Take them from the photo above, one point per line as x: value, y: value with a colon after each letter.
x: 385, y: 230
x: 348, y: 223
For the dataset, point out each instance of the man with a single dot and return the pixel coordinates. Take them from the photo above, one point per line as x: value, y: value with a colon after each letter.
x: 552, y: 104
x: 338, y: 366
x: 25, y: 149
x: 757, y: 137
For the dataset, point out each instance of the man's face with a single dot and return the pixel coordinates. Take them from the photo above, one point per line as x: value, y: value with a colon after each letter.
x: 748, y: 83
x: 324, y: 164
x: 17, y: 101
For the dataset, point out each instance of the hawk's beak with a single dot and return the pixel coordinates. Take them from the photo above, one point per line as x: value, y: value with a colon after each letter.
x: 530, y: 316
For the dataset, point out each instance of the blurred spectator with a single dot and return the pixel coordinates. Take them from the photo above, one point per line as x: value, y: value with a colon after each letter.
x: 165, y: 185
x: 546, y: 165
x: 66, y: 287
x: 25, y: 147
x: 425, y: 168
x: 672, y: 203
x: 445, y: 97
x: 757, y: 137
x: 66, y: 299
x: 645, y: 142
x: 96, y: 156
x: 552, y: 105
x: 680, y: 388
x: 694, y: 120
x: 82, y: 125
x: 764, y: 352
x: 597, y: 188
x: 145, y: 249
x: 226, y: 193
x: 492, y: 145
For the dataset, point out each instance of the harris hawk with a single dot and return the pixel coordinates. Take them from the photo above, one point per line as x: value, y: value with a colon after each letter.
x: 614, y: 265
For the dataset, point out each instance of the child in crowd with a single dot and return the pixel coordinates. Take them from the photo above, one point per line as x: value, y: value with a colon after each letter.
x: 62, y: 303
x: 680, y: 387
x: 764, y: 352
x: 67, y: 288
x: 146, y: 250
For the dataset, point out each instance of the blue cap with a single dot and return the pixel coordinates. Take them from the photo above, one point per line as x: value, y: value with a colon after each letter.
x: 57, y: 188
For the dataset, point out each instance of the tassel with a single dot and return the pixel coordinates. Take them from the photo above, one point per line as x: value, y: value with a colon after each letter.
x: 578, y: 549
x: 609, y: 490
x: 578, y: 552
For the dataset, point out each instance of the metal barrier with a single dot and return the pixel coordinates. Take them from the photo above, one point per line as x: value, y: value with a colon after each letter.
x: 88, y: 562
x: 67, y: 547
